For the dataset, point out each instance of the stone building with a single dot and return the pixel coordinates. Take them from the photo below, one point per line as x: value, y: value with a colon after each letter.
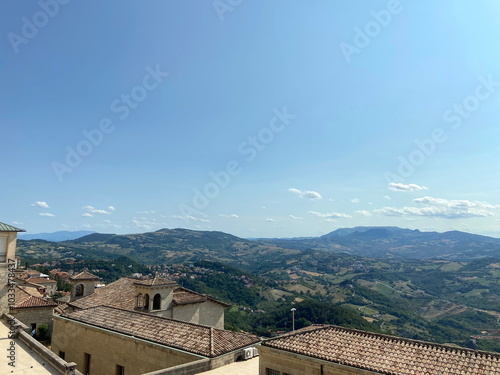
x: 106, y: 340
x: 32, y: 308
x: 8, y: 238
x: 157, y: 296
x: 44, y: 285
x: 82, y: 284
x: 332, y: 350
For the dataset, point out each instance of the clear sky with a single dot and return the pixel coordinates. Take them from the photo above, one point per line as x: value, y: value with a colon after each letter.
x: 265, y: 118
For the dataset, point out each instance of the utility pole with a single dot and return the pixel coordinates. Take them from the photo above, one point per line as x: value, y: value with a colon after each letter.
x: 293, y: 309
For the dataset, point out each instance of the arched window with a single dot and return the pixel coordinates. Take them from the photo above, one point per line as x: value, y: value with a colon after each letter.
x: 157, y: 302
x: 146, y: 302
x: 139, y: 301
x: 79, y: 290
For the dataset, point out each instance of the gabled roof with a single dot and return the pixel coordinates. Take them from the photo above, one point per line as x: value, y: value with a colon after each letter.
x: 156, y: 281
x: 29, y: 297
x: 84, y: 276
x: 9, y: 228
x: 385, y: 354
x: 121, y: 293
x: 193, y: 338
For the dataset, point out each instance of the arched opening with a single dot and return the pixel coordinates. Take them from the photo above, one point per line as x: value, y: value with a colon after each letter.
x: 139, y: 300
x: 146, y: 302
x: 79, y: 290
x: 157, y: 302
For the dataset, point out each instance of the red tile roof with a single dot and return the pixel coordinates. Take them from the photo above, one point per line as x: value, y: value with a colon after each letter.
x: 121, y: 294
x: 193, y: 338
x: 156, y: 281
x: 29, y: 297
x: 84, y: 276
x: 385, y: 354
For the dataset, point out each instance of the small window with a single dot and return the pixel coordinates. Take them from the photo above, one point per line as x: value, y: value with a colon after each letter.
x: 62, y: 354
x: 33, y: 329
x: 146, y: 302
x: 120, y: 370
x: 270, y: 371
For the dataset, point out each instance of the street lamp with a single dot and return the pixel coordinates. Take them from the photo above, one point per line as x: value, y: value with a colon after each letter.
x: 293, y: 309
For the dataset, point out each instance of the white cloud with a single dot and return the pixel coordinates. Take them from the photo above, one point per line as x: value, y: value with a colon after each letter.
x: 189, y: 217
x: 387, y: 197
x: 40, y: 204
x: 17, y: 223
x: 146, y: 212
x: 270, y: 220
x: 355, y: 200
x: 46, y: 214
x: 444, y: 208
x: 403, y: 187
x: 330, y: 216
x: 364, y: 213
x: 296, y: 217
x: 93, y: 210
x: 232, y: 216
x: 309, y: 194
x: 86, y: 214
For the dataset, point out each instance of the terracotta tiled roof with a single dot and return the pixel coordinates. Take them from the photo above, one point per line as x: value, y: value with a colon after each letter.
x: 183, y: 296
x: 40, y: 280
x: 193, y: 338
x: 385, y: 354
x: 156, y: 281
x: 29, y: 297
x: 84, y: 276
x: 121, y: 294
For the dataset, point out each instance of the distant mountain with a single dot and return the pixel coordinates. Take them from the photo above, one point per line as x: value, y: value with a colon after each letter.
x: 55, y: 236
x: 394, y: 242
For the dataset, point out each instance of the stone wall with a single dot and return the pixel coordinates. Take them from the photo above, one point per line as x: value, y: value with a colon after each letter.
x: 207, y: 313
x: 290, y: 363
x: 38, y: 315
x: 108, y: 349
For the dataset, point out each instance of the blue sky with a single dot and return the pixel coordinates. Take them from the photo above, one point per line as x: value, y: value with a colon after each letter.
x: 257, y: 118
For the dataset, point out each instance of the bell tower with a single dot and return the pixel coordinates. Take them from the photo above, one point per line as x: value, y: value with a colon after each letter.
x: 155, y: 296
x: 82, y: 284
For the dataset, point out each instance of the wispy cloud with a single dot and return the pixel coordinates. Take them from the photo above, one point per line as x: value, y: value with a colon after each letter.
x: 330, y: 216
x: 309, y: 194
x: 355, y: 200
x: 363, y: 213
x: 93, y: 210
x: 40, y: 204
x: 270, y: 220
x: 146, y: 212
x: 191, y: 218
x: 295, y: 217
x: 444, y: 208
x: 46, y: 214
x: 232, y: 216
x: 405, y: 187
x: 86, y: 214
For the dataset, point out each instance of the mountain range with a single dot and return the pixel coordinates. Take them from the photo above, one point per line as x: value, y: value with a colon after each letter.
x: 55, y: 236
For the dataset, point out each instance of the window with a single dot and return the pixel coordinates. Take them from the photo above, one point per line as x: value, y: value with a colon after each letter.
x: 120, y: 370
x: 146, y: 302
x: 3, y: 249
x: 62, y: 354
x: 79, y: 290
x: 270, y: 371
x: 86, y: 364
x: 33, y: 329
x: 157, y: 302
x: 139, y: 301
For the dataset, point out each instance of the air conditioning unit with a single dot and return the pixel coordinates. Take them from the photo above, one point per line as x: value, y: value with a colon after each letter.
x: 255, y: 352
x: 247, y: 353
